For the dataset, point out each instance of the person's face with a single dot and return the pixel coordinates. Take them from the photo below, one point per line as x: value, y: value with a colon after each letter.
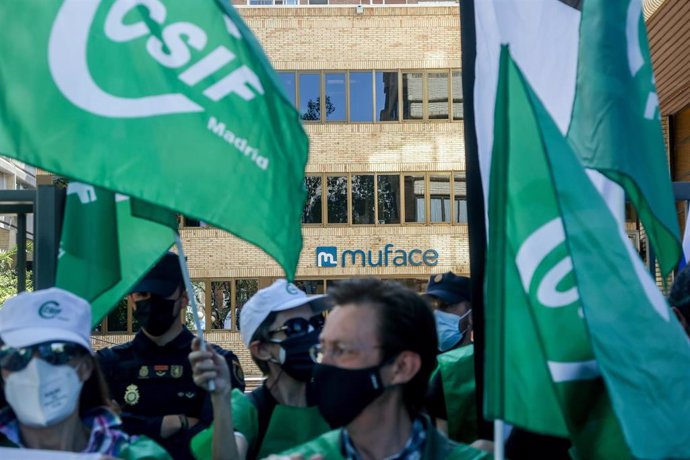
x: 350, y: 338
x: 460, y: 309
x: 54, y: 353
x: 178, y: 296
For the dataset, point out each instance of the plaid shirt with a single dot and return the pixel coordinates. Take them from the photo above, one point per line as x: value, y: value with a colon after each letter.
x: 104, y: 436
x: 412, y: 450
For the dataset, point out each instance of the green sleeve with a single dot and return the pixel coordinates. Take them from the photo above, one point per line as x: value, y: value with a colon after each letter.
x: 244, y: 419
x: 144, y: 449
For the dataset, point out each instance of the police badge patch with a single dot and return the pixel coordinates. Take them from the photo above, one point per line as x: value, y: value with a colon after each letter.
x: 132, y: 395
x: 176, y: 371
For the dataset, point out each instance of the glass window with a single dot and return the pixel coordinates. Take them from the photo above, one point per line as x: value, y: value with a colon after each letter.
x: 311, y: 287
x: 459, y: 190
x: 414, y: 199
x: 413, y: 108
x: 388, y: 188
x: 312, y: 207
x: 439, y: 197
x: 288, y: 80
x: 200, y: 297
x: 221, y: 305
x: 337, y: 199
x: 437, y: 95
x: 416, y: 284
x: 457, y: 96
x: 117, y: 318
x: 361, y: 97
x: 363, y: 199
x: 310, y: 96
x: 335, y: 97
x: 244, y: 289
x: 386, y: 96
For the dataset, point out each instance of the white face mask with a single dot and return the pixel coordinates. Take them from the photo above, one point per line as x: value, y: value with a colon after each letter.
x: 42, y: 394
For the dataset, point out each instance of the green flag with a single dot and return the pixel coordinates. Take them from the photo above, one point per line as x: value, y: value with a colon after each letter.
x: 569, y: 302
x: 615, y: 126
x: 170, y: 102
x: 105, y: 248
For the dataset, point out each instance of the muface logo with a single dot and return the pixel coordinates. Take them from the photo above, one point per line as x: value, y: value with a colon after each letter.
x: 67, y: 57
x: 326, y: 256
x: 49, y: 310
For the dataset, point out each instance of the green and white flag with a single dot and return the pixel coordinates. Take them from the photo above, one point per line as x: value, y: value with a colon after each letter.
x: 105, y: 247
x: 171, y: 102
x: 576, y: 329
x: 589, y: 63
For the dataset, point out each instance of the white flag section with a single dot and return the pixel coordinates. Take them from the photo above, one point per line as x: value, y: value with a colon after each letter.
x: 543, y: 38
x: 588, y: 62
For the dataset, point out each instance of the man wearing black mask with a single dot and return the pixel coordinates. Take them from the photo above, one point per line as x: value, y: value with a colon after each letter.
x: 376, y: 353
x: 279, y: 325
x: 150, y: 377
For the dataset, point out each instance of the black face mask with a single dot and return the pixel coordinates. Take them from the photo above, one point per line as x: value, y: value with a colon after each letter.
x: 295, y: 358
x: 155, y: 314
x: 342, y: 394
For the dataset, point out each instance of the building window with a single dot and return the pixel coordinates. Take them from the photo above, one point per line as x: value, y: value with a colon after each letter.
x: 244, y: 290
x: 335, y: 97
x: 458, y: 107
x: 221, y: 305
x: 363, y: 208
x: 311, y: 287
x: 388, y: 189
x: 361, y: 97
x: 288, y: 81
x: 439, y: 198
x: 337, y: 199
x: 412, y: 96
x: 310, y: 96
x: 386, y: 96
x: 415, y: 211
x: 312, y: 206
x: 117, y: 318
x: 460, y: 192
x: 437, y: 95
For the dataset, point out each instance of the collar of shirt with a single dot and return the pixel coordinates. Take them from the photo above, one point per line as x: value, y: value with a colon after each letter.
x: 104, y: 436
x: 411, y: 451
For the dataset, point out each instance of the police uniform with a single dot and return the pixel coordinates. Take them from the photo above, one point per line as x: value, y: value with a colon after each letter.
x: 150, y: 381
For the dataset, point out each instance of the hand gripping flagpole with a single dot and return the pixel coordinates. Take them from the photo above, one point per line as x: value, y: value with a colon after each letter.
x: 192, y: 301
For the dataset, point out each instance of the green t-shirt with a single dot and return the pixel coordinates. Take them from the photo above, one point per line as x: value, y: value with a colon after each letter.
x: 436, y: 447
x: 288, y: 427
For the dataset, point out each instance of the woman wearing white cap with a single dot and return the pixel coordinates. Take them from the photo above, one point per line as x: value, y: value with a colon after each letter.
x: 280, y: 324
x: 56, y: 394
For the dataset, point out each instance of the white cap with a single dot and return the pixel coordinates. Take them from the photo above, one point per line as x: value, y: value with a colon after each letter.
x: 279, y: 296
x: 43, y: 316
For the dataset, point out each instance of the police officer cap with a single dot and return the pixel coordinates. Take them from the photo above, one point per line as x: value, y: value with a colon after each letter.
x: 449, y: 287
x: 163, y: 278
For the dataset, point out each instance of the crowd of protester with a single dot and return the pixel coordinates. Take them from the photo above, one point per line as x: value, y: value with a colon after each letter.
x: 373, y: 370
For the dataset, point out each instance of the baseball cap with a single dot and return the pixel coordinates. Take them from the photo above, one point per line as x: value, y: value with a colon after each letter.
x: 450, y: 288
x: 279, y: 296
x: 46, y: 315
x: 163, y: 278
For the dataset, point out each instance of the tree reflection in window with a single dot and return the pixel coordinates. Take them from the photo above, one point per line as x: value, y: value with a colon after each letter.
x: 313, y: 112
x: 388, y: 189
x: 363, y: 199
x: 312, y: 206
x: 337, y: 199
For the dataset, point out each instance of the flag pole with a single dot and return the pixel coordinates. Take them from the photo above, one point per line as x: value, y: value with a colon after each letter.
x: 475, y: 206
x: 499, y: 447
x: 192, y: 300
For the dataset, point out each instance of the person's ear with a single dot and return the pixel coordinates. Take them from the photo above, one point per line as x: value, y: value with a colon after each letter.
x: 681, y: 318
x: 85, y: 367
x: 260, y: 350
x: 405, y: 367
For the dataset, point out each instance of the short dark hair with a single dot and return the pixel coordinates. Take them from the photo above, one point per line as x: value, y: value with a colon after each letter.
x: 680, y: 292
x: 405, y: 324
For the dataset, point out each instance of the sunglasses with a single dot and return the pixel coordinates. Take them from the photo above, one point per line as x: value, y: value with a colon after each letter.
x: 55, y: 353
x: 299, y: 326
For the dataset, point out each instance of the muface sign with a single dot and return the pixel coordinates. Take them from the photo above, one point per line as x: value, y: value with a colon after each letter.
x: 329, y: 256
